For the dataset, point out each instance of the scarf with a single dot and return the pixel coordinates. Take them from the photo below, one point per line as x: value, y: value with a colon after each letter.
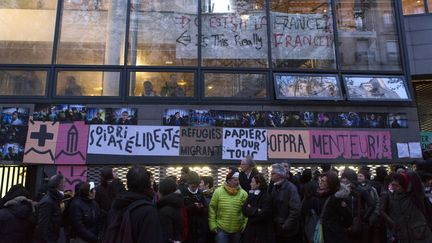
x: 230, y: 190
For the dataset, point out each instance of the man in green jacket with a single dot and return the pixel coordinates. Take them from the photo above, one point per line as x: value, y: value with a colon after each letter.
x: 225, y: 210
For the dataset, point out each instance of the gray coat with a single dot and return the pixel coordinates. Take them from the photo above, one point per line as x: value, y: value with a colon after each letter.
x: 409, y: 222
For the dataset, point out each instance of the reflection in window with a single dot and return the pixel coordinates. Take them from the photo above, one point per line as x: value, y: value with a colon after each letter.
x: 92, y: 32
x: 302, y: 34
x: 28, y: 83
x: 413, y: 7
x: 88, y: 83
x: 163, y: 84
x: 365, y: 33
x: 234, y: 33
x: 27, y: 31
x: 251, y: 85
x: 163, y: 33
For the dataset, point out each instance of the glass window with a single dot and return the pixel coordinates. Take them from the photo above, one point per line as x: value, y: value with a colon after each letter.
x: 430, y: 6
x: 164, y: 84
x: 234, y: 33
x: 163, y: 33
x: 413, y: 7
x: 242, y: 85
x: 87, y: 83
x: 20, y: 82
x: 367, y: 35
x: 302, y: 34
x: 92, y: 32
x: 27, y: 31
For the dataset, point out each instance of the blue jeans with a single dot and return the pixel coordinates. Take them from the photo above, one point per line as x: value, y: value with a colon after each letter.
x: 225, y: 237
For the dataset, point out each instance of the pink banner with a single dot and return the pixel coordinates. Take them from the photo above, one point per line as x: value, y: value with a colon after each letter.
x: 72, y: 143
x: 73, y: 175
x: 283, y: 144
x: 350, y: 144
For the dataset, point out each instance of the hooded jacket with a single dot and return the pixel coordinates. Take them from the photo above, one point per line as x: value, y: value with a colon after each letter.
x: 17, y: 220
x: 196, y: 215
x: 225, y: 210
x: 170, y: 215
x: 142, y: 219
x: 84, y: 215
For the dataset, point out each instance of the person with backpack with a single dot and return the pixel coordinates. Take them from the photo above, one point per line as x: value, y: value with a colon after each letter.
x: 133, y: 218
x: 49, y: 212
x: 330, y: 208
x: 407, y: 210
x: 371, y: 234
x: 84, y: 215
x: 170, y: 206
x: 17, y: 216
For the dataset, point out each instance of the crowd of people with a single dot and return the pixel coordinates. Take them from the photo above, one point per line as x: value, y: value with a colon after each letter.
x: 318, y: 206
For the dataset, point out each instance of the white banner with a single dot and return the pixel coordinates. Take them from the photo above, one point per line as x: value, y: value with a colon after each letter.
x: 240, y: 142
x: 134, y: 140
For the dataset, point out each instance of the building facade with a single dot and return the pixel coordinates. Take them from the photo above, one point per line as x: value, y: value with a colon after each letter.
x: 88, y: 83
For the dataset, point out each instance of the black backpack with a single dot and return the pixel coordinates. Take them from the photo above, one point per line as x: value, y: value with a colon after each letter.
x: 119, y: 227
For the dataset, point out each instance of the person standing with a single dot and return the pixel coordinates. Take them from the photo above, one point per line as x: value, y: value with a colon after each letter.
x: 258, y: 210
x: 84, y: 214
x: 248, y: 171
x: 17, y: 216
x: 407, y: 210
x: 286, y: 206
x: 226, y: 219
x: 49, y: 216
x: 135, y: 204
x: 170, y: 206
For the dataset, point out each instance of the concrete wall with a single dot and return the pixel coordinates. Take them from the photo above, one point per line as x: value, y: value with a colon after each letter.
x: 418, y: 30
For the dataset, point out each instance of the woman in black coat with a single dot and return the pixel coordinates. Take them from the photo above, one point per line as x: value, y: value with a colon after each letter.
x: 85, y: 214
x: 257, y: 209
x: 331, y: 204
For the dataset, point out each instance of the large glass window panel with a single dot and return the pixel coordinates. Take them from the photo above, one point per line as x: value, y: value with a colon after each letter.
x: 302, y: 34
x: 234, y: 33
x: 413, y: 7
x: 22, y: 82
x: 88, y: 83
x: 92, y: 32
x: 430, y: 6
x: 162, y: 84
x: 367, y: 34
x: 242, y: 85
x: 27, y: 31
x: 163, y: 33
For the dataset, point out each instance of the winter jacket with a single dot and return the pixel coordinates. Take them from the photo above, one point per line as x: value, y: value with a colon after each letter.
x: 245, y: 180
x: 257, y: 209
x: 143, y: 220
x: 410, y: 223
x: 49, y: 217
x: 336, y: 217
x: 17, y: 220
x: 286, y: 208
x: 225, y: 210
x: 196, y: 209
x: 170, y: 215
x: 84, y: 215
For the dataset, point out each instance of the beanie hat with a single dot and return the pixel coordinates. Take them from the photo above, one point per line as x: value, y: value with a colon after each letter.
x: 232, y: 174
x: 193, y: 178
x: 279, y: 169
x: 350, y: 175
x: 167, y: 186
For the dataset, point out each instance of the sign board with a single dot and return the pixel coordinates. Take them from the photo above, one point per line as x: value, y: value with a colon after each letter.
x: 240, y: 142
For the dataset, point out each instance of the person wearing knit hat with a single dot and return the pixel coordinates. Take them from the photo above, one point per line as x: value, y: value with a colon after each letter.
x: 225, y: 217
x: 349, y: 176
x: 170, y: 205
x: 248, y: 171
x: 196, y: 208
x: 286, y: 206
x: 408, y: 209
x: 372, y: 207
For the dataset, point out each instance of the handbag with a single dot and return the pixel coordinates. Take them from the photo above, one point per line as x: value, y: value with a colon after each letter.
x: 318, y: 236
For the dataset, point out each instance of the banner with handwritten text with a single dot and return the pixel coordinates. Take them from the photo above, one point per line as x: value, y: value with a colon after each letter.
x: 240, y: 142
